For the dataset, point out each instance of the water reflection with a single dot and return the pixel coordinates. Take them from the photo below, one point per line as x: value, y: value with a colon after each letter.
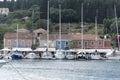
x: 60, y: 70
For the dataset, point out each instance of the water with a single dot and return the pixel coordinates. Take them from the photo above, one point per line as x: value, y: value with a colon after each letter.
x: 60, y: 70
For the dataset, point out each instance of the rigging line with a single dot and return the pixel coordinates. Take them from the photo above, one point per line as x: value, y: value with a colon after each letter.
x: 18, y: 71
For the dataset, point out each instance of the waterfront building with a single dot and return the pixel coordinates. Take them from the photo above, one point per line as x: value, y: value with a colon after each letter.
x: 90, y: 42
x: 4, y: 11
x: 24, y: 39
x: 72, y: 40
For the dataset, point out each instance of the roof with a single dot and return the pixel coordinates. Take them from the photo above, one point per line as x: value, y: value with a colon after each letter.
x: 40, y: 30
x: 23, y: 30
x: 73, y: 36
x: 20, y: 35
x: 78, y: 36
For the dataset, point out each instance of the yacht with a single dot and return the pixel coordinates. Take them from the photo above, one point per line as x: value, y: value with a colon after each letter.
x: 47, y: 55
x: 70, y: 56
x: 16, y: 55
x: 59, y: 54
x: 32, y: 55
x: 95, y: 55
x: 3, y: 61
x: 115, y: 54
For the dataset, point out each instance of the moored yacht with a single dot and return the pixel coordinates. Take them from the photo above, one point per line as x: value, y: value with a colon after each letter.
x: 70, y: 56
x: 31, y: 55
x: 95, y: 55
x: 16, y: 55
x: 3, y: 61
x: 47, y: 55
x: 59, y: 54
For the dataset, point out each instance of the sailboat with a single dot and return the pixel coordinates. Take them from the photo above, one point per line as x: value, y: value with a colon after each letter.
x: 47, y: 54
x: 81, y: 53
x: 16, y: 54
x: 113, y: 54
x: 95, y: 55
x: 69, y: 55
x: 32, y: 55
x: 59, y: 53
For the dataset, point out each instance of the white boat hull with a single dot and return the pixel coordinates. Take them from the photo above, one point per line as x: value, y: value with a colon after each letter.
x: 114, y: 57
x: 3, y: 61
x: 8, y: 57
x: 95, y: 57
x: 31, y: 56
x: 70, y: 57
x: 47, y: 55
x: 59, y: 55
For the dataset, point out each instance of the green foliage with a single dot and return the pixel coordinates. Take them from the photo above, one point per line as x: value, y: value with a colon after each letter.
x: 71, y: 12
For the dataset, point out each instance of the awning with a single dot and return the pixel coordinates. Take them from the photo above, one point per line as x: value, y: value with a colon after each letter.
x: 21, y: 49
x: 6, y: 49
x: 44, y: 49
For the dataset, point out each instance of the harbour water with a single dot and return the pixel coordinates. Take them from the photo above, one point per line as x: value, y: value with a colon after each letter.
x: 60, y: 70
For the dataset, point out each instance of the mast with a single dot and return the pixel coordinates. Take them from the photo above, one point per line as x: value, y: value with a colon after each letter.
x: 82, y: 26
x: 17, y: 37
x: 32, y: 25
x: 96, y: 29
x: 48, y: 25
x: 69, y: 37
x: 60, y: 25
x: 116, y: 23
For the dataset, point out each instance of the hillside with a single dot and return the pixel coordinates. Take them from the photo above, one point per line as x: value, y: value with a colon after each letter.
x: 31, y: 14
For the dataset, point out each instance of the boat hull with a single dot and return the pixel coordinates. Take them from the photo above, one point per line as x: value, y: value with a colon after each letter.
x: 70, y: 57
x: 17, y: 56
x: 47, y: 55
x: 59, y: 55
x: 31, y: 56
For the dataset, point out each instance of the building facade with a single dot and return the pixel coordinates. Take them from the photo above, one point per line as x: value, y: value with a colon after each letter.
x: 4, y: 11
x: 24, y: 40
x: 39, y: 37
x: 89, y: 41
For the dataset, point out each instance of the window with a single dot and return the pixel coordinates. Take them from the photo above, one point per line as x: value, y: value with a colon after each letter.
x: 79, y: 43
x: 85, y: 44
x: 58, y: 42
x: 99, y: 43
x: 66, y: 42
x: 92, y: 43
x: 15, y: 43
x: 22, y: 43
x: 9, y: 42
x: 29, y: 43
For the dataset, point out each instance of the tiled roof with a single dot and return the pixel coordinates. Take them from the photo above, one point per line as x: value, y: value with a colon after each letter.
x: 78, y: 36
x: 74, y: 36
x: 23, y: 30
x: 20, y: 35
x: 40, y: 30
